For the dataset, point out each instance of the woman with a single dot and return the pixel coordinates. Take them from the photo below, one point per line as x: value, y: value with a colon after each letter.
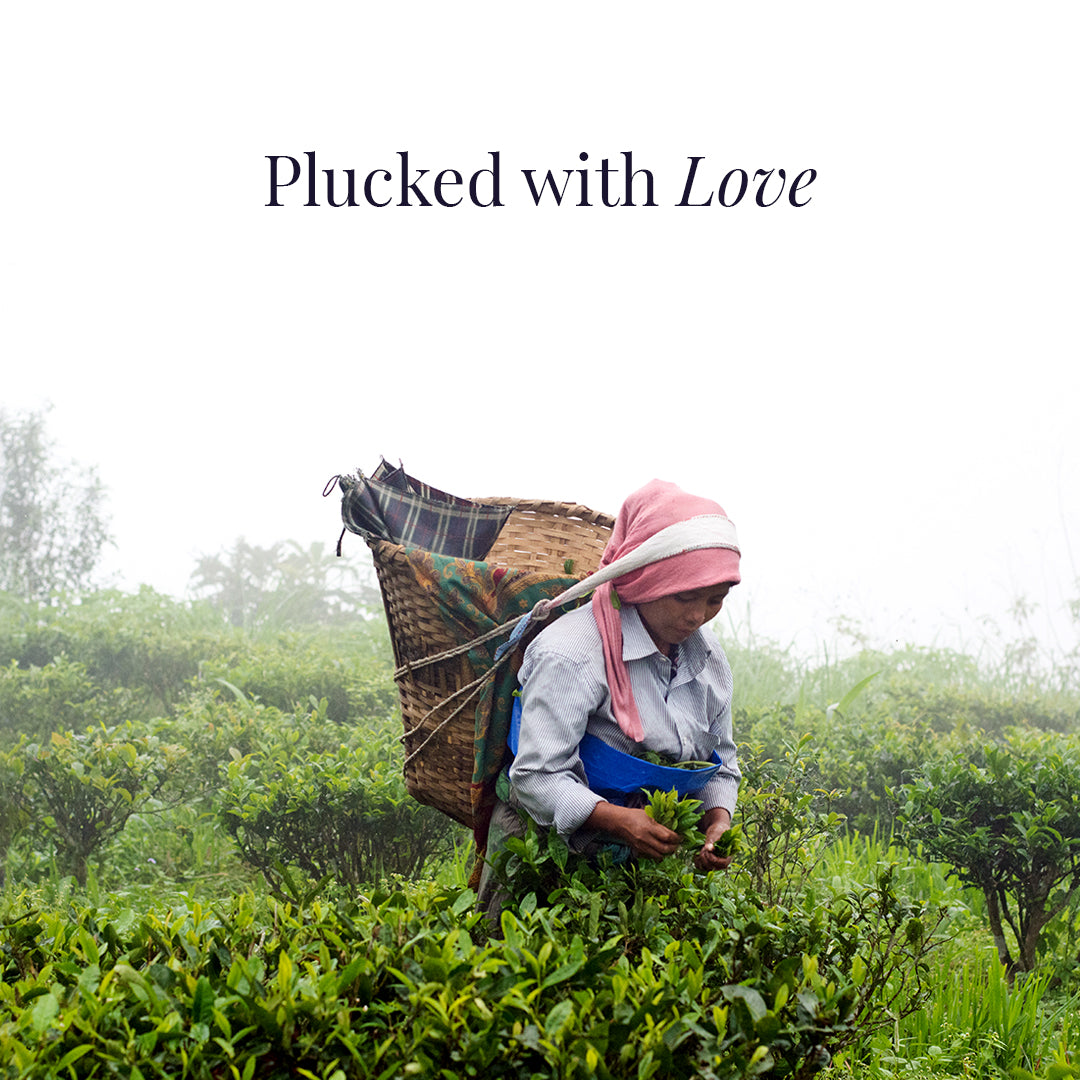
x: 634, y: 669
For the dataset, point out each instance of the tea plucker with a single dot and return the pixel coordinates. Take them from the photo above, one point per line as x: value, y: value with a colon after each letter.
x: 634, y: 668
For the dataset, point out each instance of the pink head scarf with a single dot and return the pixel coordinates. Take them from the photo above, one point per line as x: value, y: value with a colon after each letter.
x: 644, y: 513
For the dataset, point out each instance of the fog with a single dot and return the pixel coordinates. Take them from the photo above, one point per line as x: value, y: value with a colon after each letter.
x: 879, y: 385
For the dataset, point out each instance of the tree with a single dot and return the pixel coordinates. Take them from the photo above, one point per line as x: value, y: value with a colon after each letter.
x: 52, y: 519
x: 283, y: 585
x: 1007, y: 819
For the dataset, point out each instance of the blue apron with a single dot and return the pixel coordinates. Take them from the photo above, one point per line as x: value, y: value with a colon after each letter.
x: 613, y: 773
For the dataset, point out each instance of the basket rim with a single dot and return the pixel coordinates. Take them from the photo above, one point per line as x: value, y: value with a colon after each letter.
x: 537, y: 505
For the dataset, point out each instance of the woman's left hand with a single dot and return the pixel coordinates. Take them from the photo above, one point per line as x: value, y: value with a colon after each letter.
x: 714, y: 823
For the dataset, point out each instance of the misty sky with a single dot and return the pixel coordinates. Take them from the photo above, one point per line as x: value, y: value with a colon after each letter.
x: 880, y: 386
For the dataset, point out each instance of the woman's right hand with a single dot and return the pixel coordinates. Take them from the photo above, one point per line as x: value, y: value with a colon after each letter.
x: 644, y: 835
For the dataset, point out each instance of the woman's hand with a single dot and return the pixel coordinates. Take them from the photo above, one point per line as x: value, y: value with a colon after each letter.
x: 634, y: 827
x: 714, y: 823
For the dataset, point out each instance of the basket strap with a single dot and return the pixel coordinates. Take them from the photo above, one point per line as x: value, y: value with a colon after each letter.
x: 412, y: 665
x: 476, y: 686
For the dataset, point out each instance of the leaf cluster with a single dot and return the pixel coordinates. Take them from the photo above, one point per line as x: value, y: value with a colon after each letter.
x: 675, y: 976
x: 1006, y: 817
x: 343, y: 814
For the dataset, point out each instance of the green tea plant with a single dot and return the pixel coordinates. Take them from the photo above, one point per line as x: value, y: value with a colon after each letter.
x: 403, y: 982
x: 1006, y: 818
x: 221, y: 724
x: 78, y: 789
x: 680, y: 815
x: 13, y: 818
x: 799, y: 981
x: 289, y: 669
x: 344, y: 814
x: 59, y: 696
x: 787, y: 820
x: 146, y: 643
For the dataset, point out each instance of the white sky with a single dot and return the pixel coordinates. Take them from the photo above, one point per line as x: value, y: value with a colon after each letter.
x: 881, y: 387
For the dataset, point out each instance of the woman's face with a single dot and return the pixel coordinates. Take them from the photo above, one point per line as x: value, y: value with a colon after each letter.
x: 672, y: 619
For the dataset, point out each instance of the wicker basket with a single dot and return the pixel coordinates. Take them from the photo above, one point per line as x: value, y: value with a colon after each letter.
x: 537, y: 536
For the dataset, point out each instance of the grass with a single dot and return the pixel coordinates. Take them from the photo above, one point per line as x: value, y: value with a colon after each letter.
x: 978, y: 1022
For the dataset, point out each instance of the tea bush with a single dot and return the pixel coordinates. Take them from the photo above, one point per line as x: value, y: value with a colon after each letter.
x: 870, y: 743
x: 77, y: 790
x: 291, y: 669
x: 1006, y: 817
x: 657, y: 974
x: 220, y: 726
x: 147, y: 643
x: 60, y: 696
x: 343, y: 814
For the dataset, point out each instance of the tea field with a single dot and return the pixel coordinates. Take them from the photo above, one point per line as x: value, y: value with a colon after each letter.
x: 211, y: 869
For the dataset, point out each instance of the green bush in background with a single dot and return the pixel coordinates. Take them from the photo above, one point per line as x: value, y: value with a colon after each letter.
x: 78, y: 789
x: 60, y: 696
x: 1006, y: 817
x: 344, y: 815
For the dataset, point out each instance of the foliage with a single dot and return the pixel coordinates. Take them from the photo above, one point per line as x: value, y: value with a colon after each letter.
x: 787, y: 822
x: 288, y: 669
x: 148, y: 644
x: 79, y: 789
x: 59, y: 696
x: 52, y: 516
x: 403, y: 982
x: 221, y: 725
x: 1006, y: 817
x: 987, y: 1025
x: 885, y: 728
x: 282, y: 585
x: 343, y: 813
x: 13, y: 818
x: 816, y: 942
x: 156, y: 649
x: 680, y: 815
x: 808, y: 971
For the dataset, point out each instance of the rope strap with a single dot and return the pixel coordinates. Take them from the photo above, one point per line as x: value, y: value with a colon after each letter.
x: 413, y: 665
x: 476, y: 686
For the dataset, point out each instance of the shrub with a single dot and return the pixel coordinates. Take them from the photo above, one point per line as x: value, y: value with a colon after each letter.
x: 147, y: 643
x: 1006, y: 817
x: 221, y: 725
x: 344, y: 815
x: 402, y: 982
x: 79, y: 789
x: 292, y: 668
x: 59, y: 696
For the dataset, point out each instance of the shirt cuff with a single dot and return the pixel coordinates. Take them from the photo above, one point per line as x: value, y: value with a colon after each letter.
x: 574, y: 807
x: 566, y: 806
x: 719, y: 791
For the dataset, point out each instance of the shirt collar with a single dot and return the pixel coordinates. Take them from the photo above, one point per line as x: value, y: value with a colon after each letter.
x: 637, y: 644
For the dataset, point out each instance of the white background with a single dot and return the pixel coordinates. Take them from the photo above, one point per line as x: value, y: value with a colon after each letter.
x: 881, y: 387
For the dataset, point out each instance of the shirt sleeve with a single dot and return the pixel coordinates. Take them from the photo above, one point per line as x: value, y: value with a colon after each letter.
x: 558, y: 695
x: 723, y: 788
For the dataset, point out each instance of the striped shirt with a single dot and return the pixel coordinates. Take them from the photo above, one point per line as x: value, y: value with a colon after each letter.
x: 685, y: 710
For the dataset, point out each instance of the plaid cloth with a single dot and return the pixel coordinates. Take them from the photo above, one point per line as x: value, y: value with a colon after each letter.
x: 391, y: 505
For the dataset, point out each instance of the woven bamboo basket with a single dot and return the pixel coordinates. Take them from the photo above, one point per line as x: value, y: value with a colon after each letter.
x: 537, y: 536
